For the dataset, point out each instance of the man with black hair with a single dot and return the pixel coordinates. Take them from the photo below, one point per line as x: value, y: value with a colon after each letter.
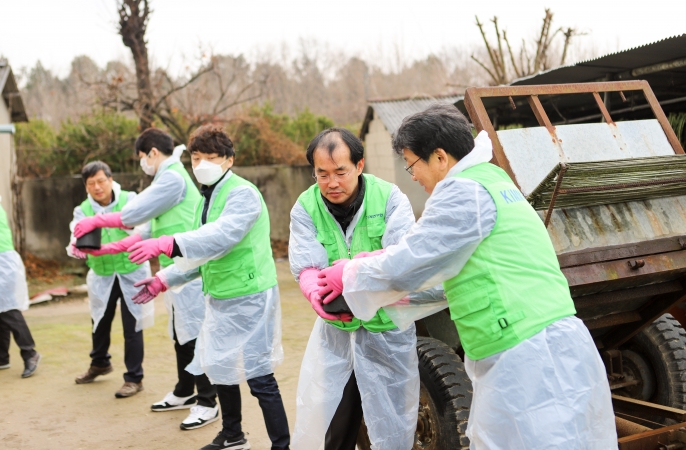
x: 351, y: 366
x: 111, y: 278
x: 538, y: 380
x: 169, y: 205
x: 14, y: 298
x: 230, y: 249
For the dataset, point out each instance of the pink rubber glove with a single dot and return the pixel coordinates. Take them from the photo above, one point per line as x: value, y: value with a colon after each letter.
x: 153, y: 287
x: 150, y: 248
x: 88, y: 224
x: 309, y: 288
x: 78, y: 253
x: 331, y: 281
x: 115, y: 247
x: 368, y: 254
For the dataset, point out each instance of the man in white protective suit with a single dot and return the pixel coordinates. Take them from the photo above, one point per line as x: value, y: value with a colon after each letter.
x: 14, y: 298
x: 169, y: 205
x: 538, y: 380
x: 230, y: 249
x: 351, y: 366
x: 111, y: 280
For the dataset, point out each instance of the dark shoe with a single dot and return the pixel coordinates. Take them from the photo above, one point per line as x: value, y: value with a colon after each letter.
x: 30, y: 365
x: 129, y: 389
x: 92, y: 373
x: 5, y: 366
x: 221, y: 443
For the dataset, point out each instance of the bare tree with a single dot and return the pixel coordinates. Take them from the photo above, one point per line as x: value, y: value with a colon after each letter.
x: 524, y: 63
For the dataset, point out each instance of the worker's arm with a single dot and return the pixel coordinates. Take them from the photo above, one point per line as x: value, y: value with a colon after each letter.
x: 216, y: 239
x: 458, y: 216
x: 176, y: 277
x: 166, y: 192
x: 304, y: 250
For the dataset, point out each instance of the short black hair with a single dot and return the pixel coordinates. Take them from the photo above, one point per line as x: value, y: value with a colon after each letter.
x: 439, y: 126
x: 92, y: 168
x: 154, y: 137
x: 329, y: 140
x: 211, y: 139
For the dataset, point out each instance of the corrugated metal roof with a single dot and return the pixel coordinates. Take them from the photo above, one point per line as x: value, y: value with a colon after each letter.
x: 10, y: 93
x: 392, y: 112
x: 667, y: 49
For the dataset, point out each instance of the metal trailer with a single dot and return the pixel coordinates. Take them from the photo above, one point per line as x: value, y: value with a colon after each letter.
x: 613, y: 198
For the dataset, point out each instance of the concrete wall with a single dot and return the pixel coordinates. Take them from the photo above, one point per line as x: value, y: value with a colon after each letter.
x: 48, y: 203
x: 380, y: 160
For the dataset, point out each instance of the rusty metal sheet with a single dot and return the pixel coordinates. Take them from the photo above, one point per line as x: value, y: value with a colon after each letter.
x: 574, y: 229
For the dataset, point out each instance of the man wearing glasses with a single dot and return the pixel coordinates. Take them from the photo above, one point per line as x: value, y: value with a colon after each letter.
x: 350, y: 366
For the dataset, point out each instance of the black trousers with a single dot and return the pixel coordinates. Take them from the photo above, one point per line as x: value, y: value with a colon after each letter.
x: 12, y: 323
x: 266, y: 390
x: 207, y: 392
x: 346, y: 422
x: 133, y: 340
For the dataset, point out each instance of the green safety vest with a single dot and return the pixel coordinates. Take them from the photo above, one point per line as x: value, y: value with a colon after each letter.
x: 512, y: 286
x: 180, y: 218
x: 106, y: 265
x: 366, y: 237
x: 249, y: 267
x: 6, y: 243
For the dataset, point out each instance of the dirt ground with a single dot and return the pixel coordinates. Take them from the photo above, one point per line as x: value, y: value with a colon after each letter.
x: 49, y: 410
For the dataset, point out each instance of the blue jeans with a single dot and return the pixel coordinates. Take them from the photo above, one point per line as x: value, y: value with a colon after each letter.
x: 266, y: 390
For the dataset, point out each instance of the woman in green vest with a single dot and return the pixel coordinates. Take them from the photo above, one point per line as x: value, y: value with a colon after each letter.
x: 538, y: 380
x: 169, y: 205
x: 14, y: 298
x: 112, y: 277
x: 230, y: 249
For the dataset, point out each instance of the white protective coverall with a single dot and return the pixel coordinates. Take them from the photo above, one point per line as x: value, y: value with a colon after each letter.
x: 385, y: 364
x: 185, y: 304
x: 100, y: 287
x: 549, y: 391
x: 15, y: 292
x: 240, y: 337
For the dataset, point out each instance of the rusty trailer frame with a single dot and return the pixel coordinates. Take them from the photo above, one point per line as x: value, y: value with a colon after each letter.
x: 618, y: 290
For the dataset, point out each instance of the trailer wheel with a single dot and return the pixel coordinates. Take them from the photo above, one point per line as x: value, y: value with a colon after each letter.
x: 662, y: 345
x: 444, y: 399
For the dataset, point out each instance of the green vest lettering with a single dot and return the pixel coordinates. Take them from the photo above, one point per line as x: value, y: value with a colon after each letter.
x: 512, y: 286
x: 181, y: 217
x: 366, y: 237
x: 249, y: 267
x: 6, y: 243
x: 107, y: 265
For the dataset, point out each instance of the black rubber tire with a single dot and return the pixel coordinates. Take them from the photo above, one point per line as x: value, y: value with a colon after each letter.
x: 446, y: 395
x: 663, y: 345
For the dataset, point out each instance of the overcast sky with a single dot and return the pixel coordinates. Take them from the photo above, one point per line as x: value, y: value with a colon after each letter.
x: 55, y: 31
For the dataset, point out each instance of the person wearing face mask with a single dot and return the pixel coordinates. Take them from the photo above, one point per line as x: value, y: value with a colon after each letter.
x: 169, y: 205
x: 112, y: 277
x: 230, y: 250
x: 538, y: 380
x: 14, y: 298
x: 351, y: 367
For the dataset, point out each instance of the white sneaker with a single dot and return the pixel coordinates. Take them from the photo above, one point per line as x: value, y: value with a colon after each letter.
x: 199, y: 417
x: 172, y: 402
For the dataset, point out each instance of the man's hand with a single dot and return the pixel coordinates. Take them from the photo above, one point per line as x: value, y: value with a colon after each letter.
x: 88, y: 224
x: 309, y: 288
x: 331, y: 281
x: 150, y: 248
x: 78, y: 253
x: 152, y: 287
x: 369, y: 254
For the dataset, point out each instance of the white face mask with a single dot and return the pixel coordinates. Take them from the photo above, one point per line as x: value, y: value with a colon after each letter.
x: 208, y: 173
x: 148, y: 169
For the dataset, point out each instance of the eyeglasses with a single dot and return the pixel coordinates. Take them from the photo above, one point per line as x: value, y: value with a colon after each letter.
x: 322, y: 179
x: 409, y: 168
